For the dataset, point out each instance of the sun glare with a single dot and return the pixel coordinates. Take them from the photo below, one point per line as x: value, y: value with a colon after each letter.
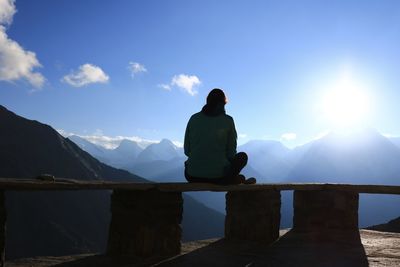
x: 346, y: 105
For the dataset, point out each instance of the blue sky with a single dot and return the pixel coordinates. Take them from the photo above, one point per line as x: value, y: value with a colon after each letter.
x: 141, y: 68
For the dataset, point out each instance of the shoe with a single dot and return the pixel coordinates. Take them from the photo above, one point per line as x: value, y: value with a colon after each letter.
x: 250, y: 180
x: 240, y: 179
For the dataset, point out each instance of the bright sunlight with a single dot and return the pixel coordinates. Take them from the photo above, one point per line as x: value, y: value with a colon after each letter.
x: 345, y: 105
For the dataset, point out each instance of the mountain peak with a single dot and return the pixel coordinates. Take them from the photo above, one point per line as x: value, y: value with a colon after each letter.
x: 3, y: 108
x: 164, y: 150
x: 5, y: 112
x: 166, y: 141
x: 127, y: 143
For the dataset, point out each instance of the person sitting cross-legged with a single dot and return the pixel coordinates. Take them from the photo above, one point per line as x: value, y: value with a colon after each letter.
x: 210, y: 145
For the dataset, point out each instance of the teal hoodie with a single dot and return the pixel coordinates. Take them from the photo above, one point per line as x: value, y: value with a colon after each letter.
x: 210, y: 144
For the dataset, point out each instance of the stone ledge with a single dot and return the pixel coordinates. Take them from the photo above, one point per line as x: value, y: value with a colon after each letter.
x: 71, y: 184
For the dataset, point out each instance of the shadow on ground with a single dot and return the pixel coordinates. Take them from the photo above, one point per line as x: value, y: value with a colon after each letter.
x: 292, y: 249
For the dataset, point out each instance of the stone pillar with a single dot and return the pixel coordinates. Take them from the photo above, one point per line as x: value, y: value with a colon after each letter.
x: 325, y: 211
x: 3, y: 219
x: 253, y: 215
x: 145, y: 224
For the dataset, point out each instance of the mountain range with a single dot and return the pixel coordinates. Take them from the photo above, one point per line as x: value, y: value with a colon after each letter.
x: 65, y: 223
x: 129, y: 154
x: 364, y: 157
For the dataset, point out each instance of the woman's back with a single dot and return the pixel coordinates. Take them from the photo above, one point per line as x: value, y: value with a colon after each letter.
x: 210, y: 144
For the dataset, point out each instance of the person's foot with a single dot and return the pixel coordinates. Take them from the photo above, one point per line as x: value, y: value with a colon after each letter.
x: 240, y: 179
x: 250, y: 180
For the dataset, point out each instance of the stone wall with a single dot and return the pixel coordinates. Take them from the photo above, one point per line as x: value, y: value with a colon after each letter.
x: 253, y: 215
x: 325, y: 210
x: 145, y: 224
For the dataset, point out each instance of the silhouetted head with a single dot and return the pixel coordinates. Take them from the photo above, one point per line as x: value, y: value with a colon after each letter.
x: 216, y: 101
x: 215, y: 97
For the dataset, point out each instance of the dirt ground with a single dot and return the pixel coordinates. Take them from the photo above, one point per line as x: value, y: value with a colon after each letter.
x: 369, y: 249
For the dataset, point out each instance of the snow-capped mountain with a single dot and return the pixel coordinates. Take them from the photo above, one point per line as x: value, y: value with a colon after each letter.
x: 164, y: 150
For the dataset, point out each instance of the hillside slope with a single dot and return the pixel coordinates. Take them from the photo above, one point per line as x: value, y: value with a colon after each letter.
x: 62, y: 223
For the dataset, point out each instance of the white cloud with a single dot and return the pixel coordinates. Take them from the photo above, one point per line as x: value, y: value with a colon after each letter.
x: 243, y: 135
x: 7, y: 11
x: 135, y: 68
x: 165, y: 86
x: 64, y: 133
x: 111, y: 142
x: 87, y: 74
x: 177, y: 143
x: 15, y: 62
x: 288, y: 136
x: 187, y: 83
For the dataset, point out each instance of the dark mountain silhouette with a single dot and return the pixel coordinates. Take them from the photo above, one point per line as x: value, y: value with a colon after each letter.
x: 30, y: 148
x: 52, y: 223
x: 96, y: 151
x: 62, y: 223
x: 391, y: 226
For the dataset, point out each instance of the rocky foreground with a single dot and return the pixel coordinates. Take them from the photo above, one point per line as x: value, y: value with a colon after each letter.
x: 292, y: 249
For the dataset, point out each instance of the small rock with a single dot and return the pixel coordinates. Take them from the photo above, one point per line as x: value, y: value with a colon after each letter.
x: 46, y: 177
